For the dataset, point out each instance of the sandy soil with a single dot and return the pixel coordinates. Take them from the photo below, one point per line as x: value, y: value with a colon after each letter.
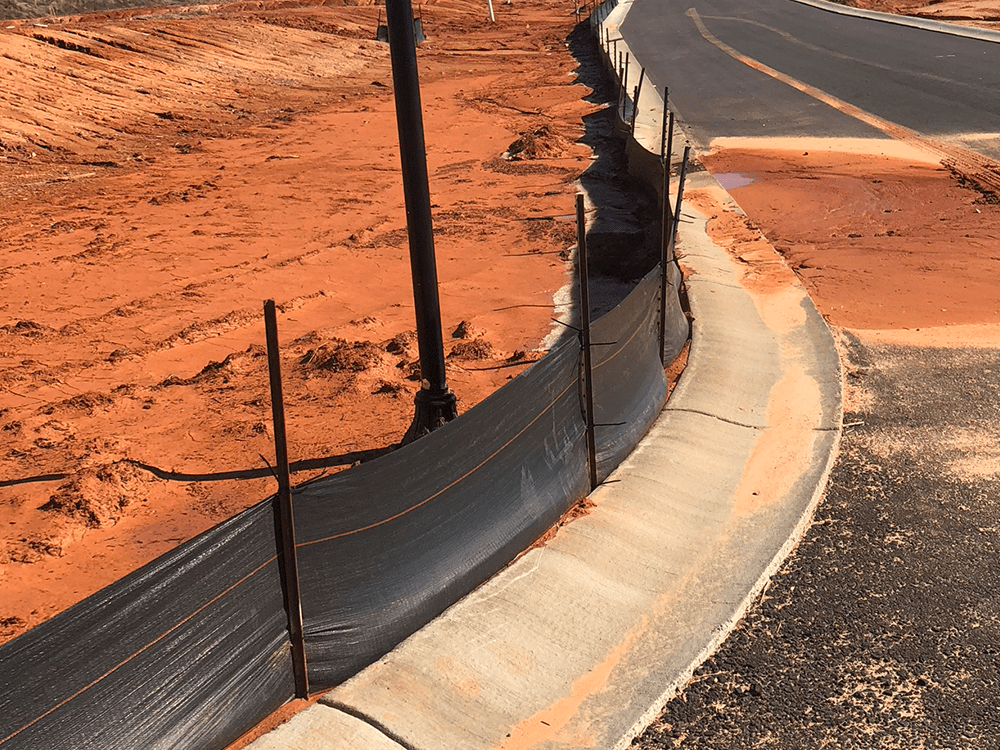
x: 882, y: 237
x: 982, y: 13
x: 162, y: 172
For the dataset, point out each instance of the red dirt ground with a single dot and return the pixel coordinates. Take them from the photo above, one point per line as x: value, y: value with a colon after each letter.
x: 162, y: 172
x: 882, y: 236
x: 982, y: 13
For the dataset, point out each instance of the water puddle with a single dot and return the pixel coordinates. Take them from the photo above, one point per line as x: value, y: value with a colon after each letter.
x: 732, y: 180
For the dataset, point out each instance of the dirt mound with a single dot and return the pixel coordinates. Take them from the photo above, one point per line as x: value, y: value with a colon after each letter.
x: 98, y: 495
x: 252, y: 360
x: 343, y: 356
x: 28, y: 328
x: 541, y: 143
x: 465, y: 330
x: 89, y: 403
x: 476, y: 349
x: 403, y: 344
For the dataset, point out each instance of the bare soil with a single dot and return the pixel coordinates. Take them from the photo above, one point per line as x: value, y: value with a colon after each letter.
x: 981, y: 13
x: 882, y: 236
x: 163, y: 171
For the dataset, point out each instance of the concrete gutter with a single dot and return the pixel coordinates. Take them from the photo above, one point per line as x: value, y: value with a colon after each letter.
x: 580, y: 642
x: 927, y: 24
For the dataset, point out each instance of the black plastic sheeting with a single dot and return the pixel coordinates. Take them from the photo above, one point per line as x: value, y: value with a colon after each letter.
x: 629, y: 384
x: 386, y: 547
x: 188, y: 651
x: 192, y: 650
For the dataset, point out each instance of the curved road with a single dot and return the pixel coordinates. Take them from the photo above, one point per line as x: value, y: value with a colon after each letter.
x: 883, y: 629
x: 939, y: 85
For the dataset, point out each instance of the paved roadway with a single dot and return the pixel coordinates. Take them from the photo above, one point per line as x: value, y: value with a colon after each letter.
x: 883, y: 629
x: 940, y: 85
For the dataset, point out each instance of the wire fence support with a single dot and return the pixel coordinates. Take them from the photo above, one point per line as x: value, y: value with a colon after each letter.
x: 588, y: 366
x: 284, y: 516
x: 680, y: 197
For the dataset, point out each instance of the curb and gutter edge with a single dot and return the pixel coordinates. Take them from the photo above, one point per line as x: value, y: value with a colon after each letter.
x: 494, y: 664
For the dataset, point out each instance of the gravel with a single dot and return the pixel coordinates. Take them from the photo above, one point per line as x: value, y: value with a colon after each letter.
x: 882, y: 629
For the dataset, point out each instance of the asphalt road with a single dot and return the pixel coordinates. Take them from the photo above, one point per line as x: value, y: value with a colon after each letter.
x: 882, y: 630
x: 939, y: 85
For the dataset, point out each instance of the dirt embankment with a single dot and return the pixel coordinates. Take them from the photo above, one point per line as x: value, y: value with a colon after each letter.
x: 982, y: 13
x: 164, y: 171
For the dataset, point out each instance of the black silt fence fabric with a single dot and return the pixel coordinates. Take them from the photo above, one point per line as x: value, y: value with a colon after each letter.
x: 188, y: 651
x: 192, y: 650
x: 386, y: 547
x: 629, y: 385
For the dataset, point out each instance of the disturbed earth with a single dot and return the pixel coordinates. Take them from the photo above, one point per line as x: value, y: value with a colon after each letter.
x: 164, y: 171
x: 982, y: 13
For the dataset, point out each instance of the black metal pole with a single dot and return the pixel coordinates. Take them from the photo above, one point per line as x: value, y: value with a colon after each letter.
x: 669, y: 152
x: 284, y: 518
x: 588, y: 368
x: 680, y: 197
x: 435, y: 403
x: 635, y: 99
x: 663, y: 124
x: 666, y: 228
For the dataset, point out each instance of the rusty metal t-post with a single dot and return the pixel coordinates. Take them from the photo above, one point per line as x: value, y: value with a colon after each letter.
x: 435, y: 403
x: 585, y: 343
x: 284, y: 518
x: 666, y: 224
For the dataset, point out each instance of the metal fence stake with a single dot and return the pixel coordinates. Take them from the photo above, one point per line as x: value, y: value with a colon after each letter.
x: 680, y: 197
x: 669, y: 153
x: 635, y: 98
x: 588, y: 367
x: 284, y: 518
x: 666, y: 228
x: 663, y: 124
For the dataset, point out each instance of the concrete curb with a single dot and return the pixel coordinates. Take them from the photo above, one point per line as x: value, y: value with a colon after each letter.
x: 927, y: 24
x: 580, y: 642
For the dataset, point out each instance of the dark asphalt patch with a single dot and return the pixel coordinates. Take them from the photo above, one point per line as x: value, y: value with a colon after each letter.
x: 882, y: 630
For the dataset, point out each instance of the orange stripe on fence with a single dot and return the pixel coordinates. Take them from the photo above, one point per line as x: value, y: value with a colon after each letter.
x: 448, y: 486
x: 156, y: 640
